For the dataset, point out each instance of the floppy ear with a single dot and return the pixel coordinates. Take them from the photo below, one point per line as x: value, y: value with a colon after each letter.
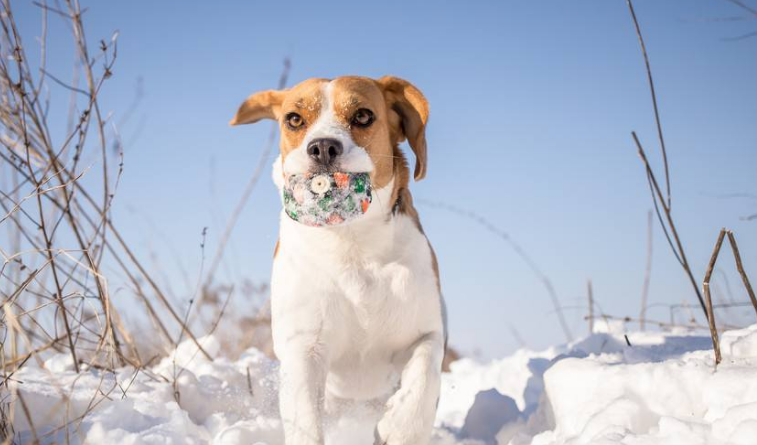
x: 263, y: 105
x: 408, y: 102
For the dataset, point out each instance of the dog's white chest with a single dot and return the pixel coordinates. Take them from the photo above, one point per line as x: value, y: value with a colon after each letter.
x: 366, y: 299
x: 375, y: 293
x: 369, y: 282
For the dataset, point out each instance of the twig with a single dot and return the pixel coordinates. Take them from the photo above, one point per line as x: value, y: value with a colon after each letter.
x: 664, y: 201
x: 518, y: 338
x: 660, y: 324
x: 706, y: 287
x: 679, y: 246
x: 647, y: 272
x: 28, y: 415
x: 64, y: 85
x: 740, y: 37
x: 654, y: 98
x: 744, y: 6
x: 740, y: 267
x: 590, y: 293
x: 489, y: 226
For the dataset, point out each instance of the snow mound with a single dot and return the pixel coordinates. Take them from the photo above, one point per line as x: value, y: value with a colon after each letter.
x: 185, y: 399
x: 662, y: 389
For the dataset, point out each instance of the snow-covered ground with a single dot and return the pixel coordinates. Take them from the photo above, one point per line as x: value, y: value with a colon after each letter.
x: 663, y: 389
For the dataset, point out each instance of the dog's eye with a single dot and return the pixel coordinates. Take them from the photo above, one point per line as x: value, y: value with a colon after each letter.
x: 294, y: 121
x: 363, y: 118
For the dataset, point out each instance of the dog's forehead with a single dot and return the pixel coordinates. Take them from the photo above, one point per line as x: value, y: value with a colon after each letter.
x: 355, y: 91
x: 306, y: 94
x: 344, y: 92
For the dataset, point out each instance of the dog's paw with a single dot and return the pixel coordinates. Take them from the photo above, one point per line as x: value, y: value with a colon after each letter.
x: 403, y: 425
x: 377, y: 439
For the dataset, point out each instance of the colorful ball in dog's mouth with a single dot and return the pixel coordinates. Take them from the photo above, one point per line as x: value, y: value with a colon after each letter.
x: 326, y: 199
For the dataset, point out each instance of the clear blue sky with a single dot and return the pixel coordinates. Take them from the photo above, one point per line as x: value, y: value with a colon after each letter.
x: 532, y: 105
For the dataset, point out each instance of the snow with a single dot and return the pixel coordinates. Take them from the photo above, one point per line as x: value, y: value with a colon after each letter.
x: 663, y: 389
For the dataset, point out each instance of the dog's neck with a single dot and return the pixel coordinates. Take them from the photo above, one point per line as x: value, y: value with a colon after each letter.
x: 372, y: 236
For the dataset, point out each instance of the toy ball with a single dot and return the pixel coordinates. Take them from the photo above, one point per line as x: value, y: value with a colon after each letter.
x: 326, y: 199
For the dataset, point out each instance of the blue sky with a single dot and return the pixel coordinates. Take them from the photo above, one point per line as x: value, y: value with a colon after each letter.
x: 532, y: 105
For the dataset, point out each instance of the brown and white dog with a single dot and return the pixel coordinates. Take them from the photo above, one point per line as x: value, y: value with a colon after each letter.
x: 357, y: 311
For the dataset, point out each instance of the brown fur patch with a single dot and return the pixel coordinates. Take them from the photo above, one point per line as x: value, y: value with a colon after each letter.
x: 435, y: 266
x: 305, y: 99
x: 450, y: 356
x: 411, y: 108
x: 402, y: 200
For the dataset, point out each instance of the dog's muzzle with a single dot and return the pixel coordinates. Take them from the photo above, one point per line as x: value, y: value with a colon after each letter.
x: 326, y: 199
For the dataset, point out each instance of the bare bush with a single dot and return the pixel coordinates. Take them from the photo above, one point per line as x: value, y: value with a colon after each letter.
x: 56, y: 193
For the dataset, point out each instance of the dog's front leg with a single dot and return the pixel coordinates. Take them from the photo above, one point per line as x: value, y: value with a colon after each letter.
x: 303, y: 377
x: 410, y: 412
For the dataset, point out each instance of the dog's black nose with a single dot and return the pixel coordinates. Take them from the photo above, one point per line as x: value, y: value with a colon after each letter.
x: 325, y: 150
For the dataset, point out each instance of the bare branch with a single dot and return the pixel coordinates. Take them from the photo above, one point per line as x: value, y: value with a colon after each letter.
x: 654, y: 99
x: 489, y: 226
x: 740, y: 268
x: 706, y: 288
x: 671, y: 224
x: 647, y: 272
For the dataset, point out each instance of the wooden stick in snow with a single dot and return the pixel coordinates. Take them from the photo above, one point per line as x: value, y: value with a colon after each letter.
x: 740, y: 267
x: 708, y: 297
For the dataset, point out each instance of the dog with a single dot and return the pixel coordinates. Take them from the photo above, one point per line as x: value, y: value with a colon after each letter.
x: 357, y: 311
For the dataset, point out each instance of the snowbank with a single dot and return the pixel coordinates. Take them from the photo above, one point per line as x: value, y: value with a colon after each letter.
x: 663, y: 389
x: 655, y: 394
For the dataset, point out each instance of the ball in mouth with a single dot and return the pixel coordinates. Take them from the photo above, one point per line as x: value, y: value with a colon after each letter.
x: 326, y: 199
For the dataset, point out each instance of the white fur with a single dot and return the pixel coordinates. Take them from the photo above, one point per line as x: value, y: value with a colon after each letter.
x: 357, y: 314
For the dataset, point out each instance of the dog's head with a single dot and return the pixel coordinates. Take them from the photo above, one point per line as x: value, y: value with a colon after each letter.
x: 349, y: 124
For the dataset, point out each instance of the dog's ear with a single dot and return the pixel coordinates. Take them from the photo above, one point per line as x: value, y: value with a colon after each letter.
x: 262, y: 105
x: 408, y: 102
